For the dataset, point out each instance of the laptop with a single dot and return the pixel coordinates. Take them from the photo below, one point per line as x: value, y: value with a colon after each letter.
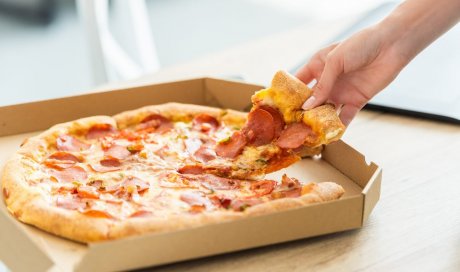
x: 429, y: 86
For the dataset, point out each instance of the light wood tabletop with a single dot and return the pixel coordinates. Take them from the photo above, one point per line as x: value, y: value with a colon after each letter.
x: 416, y: 224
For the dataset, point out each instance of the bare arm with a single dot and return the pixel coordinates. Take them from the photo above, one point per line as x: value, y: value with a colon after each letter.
x: 351, y: 72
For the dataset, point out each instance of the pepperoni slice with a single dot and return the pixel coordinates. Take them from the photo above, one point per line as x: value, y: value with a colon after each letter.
x: 231, y: 147
x: 58, y: 164
x: 295, y: 135
x: 69, y: 143
x: 290, y: 187
x: 97, y: 213
x: 204, y: 122
x: 218, y: 183
x: 118, y: 152
x: 64, y: 156
x: 99, y: 130
x: 87, y: 192
x: 278, y: 119
x: 141, y: 213
x: 61, y: 160
x: 263, y: 187
x: 106, y: 165
x: 74, y: 173
x: 70, y: 202
x: 205, y: 153
x: 191, y: 169
x: 155, y: 123
x: 221, y: 200
x: 260, y: 127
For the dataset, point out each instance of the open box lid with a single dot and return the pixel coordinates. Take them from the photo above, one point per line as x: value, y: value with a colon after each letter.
x: 45, y: 251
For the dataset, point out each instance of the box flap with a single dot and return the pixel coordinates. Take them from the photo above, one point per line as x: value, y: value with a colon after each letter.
x: 16, y: 244
x: 350, y: 162
x: 222, y: 237
x: 353, y: 164
x: 40, y: 115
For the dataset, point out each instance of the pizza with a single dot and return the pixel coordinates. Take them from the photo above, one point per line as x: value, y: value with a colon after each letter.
x: 169, y: 167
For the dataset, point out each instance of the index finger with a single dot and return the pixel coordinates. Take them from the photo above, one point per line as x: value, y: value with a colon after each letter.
x: 305, y: 74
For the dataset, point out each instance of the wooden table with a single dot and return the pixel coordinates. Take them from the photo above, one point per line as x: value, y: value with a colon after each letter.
x: 416, y: 224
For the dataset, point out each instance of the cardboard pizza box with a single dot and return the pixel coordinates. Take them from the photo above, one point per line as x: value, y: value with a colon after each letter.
x: 26, y: 248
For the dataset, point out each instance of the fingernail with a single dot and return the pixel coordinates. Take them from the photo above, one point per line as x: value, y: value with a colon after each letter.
x: 309, y: 103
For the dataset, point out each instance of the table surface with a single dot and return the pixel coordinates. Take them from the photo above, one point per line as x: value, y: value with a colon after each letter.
x: 415, y: 225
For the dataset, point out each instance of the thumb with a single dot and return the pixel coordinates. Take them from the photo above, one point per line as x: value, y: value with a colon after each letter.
x: 321, y: 91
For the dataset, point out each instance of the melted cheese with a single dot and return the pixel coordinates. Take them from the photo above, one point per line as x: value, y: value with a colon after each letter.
x: 280, y: 100
x: 162, y: 154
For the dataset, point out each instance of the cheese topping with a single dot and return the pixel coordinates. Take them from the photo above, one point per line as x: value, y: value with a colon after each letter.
x: 140, y: 171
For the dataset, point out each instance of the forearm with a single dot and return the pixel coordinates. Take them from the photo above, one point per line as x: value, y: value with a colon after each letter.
x: 415, y: 24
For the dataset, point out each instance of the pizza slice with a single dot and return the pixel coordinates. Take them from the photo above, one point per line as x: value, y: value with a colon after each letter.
x: 277, y: 132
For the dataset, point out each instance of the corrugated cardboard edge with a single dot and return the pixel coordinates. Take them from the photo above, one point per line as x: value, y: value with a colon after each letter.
x: 164, y: 248
x: 16, y: 244
x: 40, y: 115
x: 372, y: 194
x: 370, y: 179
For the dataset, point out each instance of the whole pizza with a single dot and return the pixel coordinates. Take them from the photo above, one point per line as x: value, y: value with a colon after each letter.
x: 171, y: 166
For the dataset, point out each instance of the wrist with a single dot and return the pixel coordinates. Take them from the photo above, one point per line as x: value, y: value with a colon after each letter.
x: 393, y: 31
x: 414, y: 24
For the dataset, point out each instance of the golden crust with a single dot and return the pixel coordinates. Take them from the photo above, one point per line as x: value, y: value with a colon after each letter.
x: 287, y: 93
x: 296, y: 92
x: 325, y: 122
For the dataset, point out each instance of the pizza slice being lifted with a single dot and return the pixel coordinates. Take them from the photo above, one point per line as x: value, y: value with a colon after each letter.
x: 277, y: 132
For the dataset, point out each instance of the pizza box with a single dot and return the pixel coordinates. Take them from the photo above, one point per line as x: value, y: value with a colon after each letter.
x: 25, y: 248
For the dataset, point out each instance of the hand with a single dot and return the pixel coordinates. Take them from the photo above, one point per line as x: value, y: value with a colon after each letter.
x: 350, y: 73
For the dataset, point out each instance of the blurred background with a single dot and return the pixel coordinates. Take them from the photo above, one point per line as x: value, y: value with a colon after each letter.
x: 51, y: 48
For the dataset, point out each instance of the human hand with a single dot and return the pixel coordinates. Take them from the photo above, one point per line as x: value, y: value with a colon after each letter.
x: 351, y: 72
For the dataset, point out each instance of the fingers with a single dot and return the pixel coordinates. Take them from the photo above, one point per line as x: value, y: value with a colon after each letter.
x: 315, y: 65
x: 332, y: 69
x: 305, y: 74
x: 348, y: 112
